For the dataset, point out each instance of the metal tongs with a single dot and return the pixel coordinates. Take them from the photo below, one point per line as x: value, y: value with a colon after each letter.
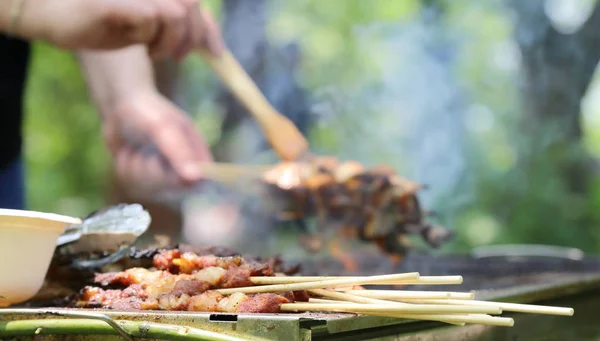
x: 111, y: 230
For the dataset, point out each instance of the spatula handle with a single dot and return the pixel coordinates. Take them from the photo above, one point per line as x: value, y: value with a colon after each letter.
x: 285, y: 138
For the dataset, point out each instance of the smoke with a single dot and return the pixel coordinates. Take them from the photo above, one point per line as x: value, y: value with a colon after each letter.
x: 408, y: 115
x: 403, y: 109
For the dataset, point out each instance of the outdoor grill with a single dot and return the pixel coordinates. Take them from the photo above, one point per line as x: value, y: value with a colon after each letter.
x: 573, y: 282
x: 380, y: 207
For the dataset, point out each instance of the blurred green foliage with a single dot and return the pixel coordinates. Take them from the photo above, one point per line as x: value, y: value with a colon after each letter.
x: 67, y: 163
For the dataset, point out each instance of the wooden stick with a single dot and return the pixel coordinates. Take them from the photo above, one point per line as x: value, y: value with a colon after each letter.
x: 285, y: 138
x: 322, y: 300
x: 349, y: 298
x: 391, y: 308
x: 426, y: 317
x: 230, y: 173
x: 433, y: 280
x: 407, y: 294
x: 515, y: 307
x: 320, y: 284
x: 461, y: 319
x: 455, y: 319
x: 436, y: 280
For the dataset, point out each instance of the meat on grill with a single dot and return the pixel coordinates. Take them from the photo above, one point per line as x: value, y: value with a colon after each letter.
x: 185, y: 282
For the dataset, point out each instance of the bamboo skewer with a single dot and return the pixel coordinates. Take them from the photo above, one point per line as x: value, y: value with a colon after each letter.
x: 436, y: 280
x: 349, y: 298
x: 391, y: 308
x: 321, y: 284
x: 429, y: 280
x: 323, y: 300
x: 514, y: 307
x: 420, y: 305
x: 407, y: 294
x: 461, y: 319
x: 455, y: 319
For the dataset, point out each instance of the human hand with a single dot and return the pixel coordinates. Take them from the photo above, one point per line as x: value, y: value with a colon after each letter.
x: 169, y: 28
x: 147, y: 118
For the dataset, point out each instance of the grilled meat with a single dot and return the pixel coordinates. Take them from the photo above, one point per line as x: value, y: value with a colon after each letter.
x: 375, y: 204
x: 184, y: 282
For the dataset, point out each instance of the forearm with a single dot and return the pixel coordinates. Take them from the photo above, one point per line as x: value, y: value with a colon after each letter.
x: 22, y: 19
x: 6, y: 12
x: 117, y: 74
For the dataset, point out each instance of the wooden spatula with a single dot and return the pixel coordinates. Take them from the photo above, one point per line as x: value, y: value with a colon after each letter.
x: 285, y: 138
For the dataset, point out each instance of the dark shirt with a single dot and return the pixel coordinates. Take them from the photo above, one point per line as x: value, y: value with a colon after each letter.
x: 14, y: 60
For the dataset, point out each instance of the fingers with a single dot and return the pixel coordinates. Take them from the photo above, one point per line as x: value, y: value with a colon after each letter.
x: 212, y: 38
x: 169, y: 28
x: 183, y: 25
x: 143, y: 173
x: 194, y: 29
x: 141, y: 20
x: 174, y: 143
x: 155, y: 145
x: 200, y: 146
x: 172, y: 28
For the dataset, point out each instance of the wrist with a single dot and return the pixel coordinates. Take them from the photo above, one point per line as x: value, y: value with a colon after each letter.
x: 115, y: 76
x: 121, y: 103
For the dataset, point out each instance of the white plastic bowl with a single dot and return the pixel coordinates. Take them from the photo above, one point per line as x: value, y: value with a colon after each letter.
x: 27, y: 243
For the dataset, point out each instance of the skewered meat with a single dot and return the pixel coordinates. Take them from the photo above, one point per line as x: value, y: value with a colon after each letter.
x: 64, y: 282
x: 188, y: 262
x: 163, y: 281
x: 208, y: 301
x: 183, y: 281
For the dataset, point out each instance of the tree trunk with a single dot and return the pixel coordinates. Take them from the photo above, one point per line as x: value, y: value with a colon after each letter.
x: 557, y: 71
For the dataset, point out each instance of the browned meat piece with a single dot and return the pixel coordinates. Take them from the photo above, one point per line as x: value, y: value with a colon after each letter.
x: 174, y: 302
x: 127, y: 277
x: 130, y: 299
x: 208, y: 301
x: 262, y: 303
x: 259, y: 269
x: 236, y: 278
x: 300, y: 296
x: 163, y: 260
x: 188, y: 262
x: 206, y: 250
x: 190, y: 287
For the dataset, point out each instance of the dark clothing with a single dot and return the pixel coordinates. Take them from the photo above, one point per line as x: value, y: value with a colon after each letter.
x: 12, y: 186
x: 14, y: 61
